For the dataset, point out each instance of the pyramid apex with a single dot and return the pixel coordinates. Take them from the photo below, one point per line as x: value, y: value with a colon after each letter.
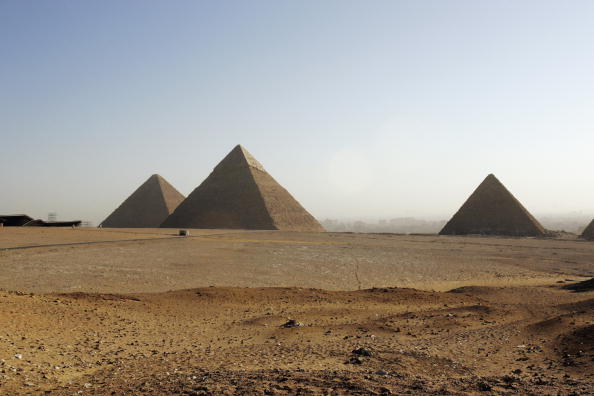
x: 491, y: 178
x: 239, y: 156
x: 155, y: 178
x: 240, y: 148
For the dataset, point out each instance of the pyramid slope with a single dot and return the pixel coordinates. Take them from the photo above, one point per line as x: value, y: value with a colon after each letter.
x: 286, y: 212
x: 147, y: 207
x: 589, y: 232
x: 240, y: 194
x: 493, y: 210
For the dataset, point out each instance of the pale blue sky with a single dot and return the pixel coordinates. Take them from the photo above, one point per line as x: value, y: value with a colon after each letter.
x: 359, y: 108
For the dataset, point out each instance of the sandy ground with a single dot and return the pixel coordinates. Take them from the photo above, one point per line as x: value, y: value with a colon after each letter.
x: 146, y: 312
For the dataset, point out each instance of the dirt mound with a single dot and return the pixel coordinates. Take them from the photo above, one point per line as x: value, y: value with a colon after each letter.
x: 493, y: 210
x: 580, y: 287
x: 240, y: 194
x: 472, y: 290
x: 98, y: 296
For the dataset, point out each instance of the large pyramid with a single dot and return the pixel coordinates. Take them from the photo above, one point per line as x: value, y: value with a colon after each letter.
x: 493, y: 210
x: 240, y: 194
x: 589, y: 232
x: 147, y: 207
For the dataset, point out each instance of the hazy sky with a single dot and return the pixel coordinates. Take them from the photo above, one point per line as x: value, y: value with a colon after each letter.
x: 360, y: 109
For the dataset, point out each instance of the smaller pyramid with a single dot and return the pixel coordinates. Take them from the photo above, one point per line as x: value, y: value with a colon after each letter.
x: 240, y: 194
x: 147, y: 207
x: 589, y: 232
x: 493, y: 210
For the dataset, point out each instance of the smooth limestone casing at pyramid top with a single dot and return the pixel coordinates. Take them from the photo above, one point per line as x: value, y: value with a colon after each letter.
x: 589, y: 232
x: 493, y: 210
x: 147, y: 207
x: 240, y: 194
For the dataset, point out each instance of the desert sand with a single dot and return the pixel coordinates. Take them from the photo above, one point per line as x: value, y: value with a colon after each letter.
x: 142, y: 311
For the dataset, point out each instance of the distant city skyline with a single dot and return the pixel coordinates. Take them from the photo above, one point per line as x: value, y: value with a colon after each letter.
x: 361, y: 110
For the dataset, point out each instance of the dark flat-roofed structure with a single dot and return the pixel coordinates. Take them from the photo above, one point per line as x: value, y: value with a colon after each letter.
x: 23, y: 220
x: 15, y: 220
x: 72, y: 223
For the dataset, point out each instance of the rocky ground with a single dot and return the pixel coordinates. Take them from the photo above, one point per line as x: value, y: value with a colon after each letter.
x: 299, y: 341
x: 532, y: 334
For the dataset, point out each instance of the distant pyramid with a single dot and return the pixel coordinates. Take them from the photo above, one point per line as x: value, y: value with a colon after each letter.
x: 147, y: 207
x: 240, y: 194
x: 493, y: 210
x: 589, y: 231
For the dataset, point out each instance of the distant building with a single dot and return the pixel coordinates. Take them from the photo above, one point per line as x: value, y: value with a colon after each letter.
x: 16, y: 220
x: 23, y: 220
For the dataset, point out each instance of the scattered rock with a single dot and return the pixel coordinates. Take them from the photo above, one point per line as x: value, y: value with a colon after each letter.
x: 484, y: 387
x: 292, y: 323
x: 362, y: 352
x: 354, y: 360
x: 381, y: 372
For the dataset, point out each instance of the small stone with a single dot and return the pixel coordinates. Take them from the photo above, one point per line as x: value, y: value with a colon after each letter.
x: 354, y: 360
x: 381, y: 372
x: 484, y: 387
x: 292, y: 323
x: 18, y: 356
x: 362, y: 352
